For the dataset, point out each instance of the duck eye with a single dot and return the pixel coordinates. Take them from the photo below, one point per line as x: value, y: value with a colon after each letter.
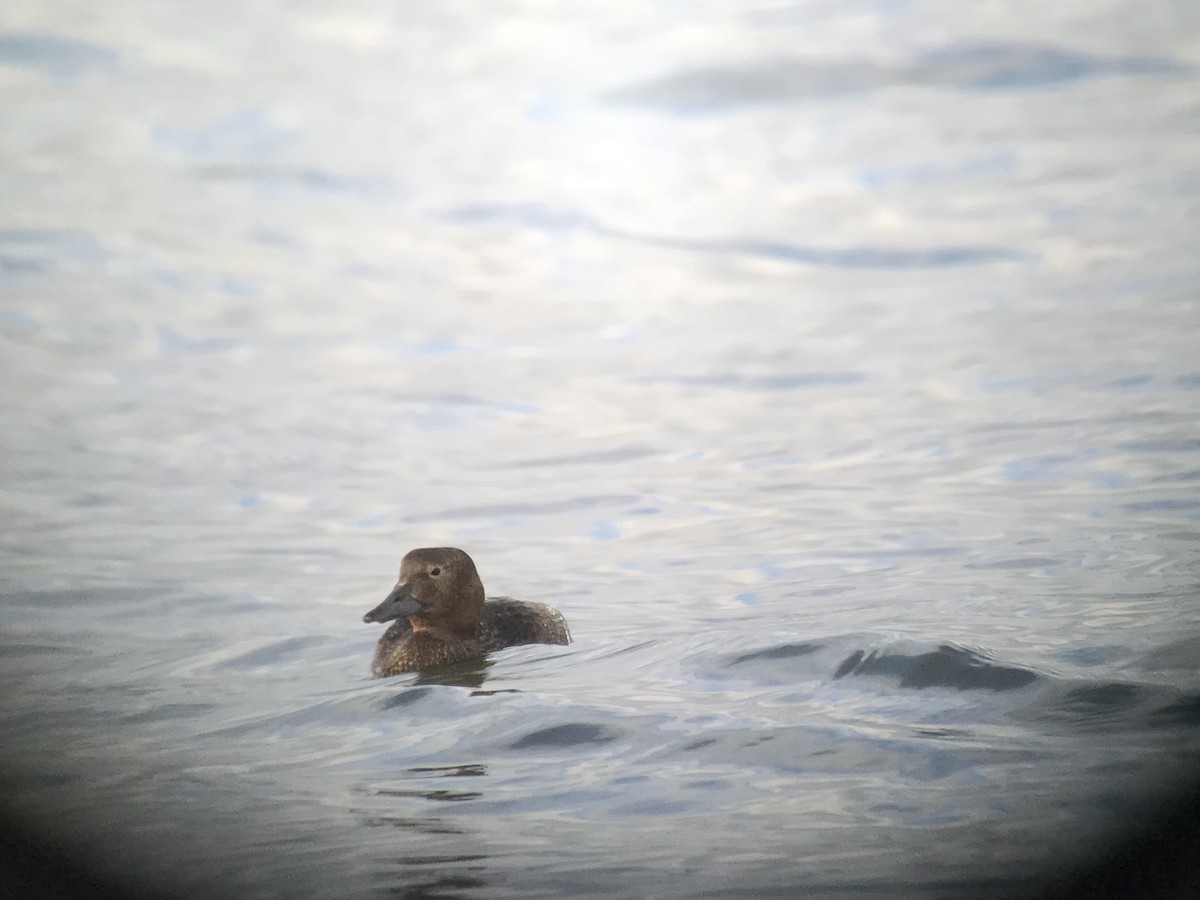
x: 435, y: 571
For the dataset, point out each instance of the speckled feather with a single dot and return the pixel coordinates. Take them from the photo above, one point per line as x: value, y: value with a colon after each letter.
x: 505, y: 623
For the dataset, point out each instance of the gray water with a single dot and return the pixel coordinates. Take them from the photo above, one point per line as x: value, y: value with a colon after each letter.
x: 833, y: 367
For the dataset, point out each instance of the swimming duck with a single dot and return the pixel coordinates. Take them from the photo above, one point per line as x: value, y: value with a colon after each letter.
x: 442, y: 617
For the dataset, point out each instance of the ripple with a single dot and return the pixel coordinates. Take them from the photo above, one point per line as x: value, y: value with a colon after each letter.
x: 407, y: 697
x: 169, y: 712
x: 948, y: 666
x: 273, y: 653
x: 573, y: 734
x: 735, y: 381
x: 525, y: 509
x: 856, y: 256
x: 1162, y: 445
x: 1180, y: 655
x: 436, y: 794
x: 990, y: 66
x: 1018, y: 562
x: 1119, y: 706
x: 420, y: 824
x: 1184, y: 711
x: 40, y: 251
x: 614, y: 455
x: 468, y: 770
x: 783, y: 651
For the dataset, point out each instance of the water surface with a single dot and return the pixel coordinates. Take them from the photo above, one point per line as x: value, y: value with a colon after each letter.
x: 833, y: 368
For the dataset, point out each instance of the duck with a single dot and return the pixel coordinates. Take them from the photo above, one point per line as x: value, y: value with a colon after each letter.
x: 441, y: 616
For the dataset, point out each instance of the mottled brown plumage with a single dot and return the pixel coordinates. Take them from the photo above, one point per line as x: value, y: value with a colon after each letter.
x: 442, y: 617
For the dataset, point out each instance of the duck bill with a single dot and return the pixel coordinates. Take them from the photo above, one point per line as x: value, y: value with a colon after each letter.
x: 400, y: 602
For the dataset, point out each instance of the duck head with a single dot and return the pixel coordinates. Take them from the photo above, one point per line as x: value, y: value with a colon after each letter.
x: 439, y: 591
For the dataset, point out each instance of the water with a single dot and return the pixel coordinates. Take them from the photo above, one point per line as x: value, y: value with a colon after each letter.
x: 832, y: 367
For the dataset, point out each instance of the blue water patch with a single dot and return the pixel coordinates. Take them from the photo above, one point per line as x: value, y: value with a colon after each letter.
x: 1132, y: 382
x: 175, y: 280
x: 537, y: 216
x: 983, y: 166
x: 172, y: 341
x: 19, y: 320
x: 1033, y: 468
x: 605, y: 531
x: 1164, y: 504
x: 238, y: 287
x: 399, y: 345
x: 38, y: 251
x: 281, y: 179
x: 435, y: 346
x: 518, y: 406
x: 771, y: 571
x: 1015, y: 66
x: 242, y: 133
x: 545, y: 108
x: 64, y: 59
x: 1038, y: 385
x: 1063, y: 213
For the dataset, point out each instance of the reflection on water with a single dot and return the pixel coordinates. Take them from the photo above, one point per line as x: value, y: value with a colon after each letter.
x: 948, y: 666
x: 995, y: 66
x: 469, y: 674
x: 837, y: 384
x: 560, y: 222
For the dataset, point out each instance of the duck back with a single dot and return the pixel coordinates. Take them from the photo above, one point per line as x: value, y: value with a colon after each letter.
x: 509, y: 623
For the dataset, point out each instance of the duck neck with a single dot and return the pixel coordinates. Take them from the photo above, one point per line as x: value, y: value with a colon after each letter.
x: 463, y: 627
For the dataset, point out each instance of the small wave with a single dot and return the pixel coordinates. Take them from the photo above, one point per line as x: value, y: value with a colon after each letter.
x: 438, y: 794
x: 407, y: 697
x: 573, y: 734
x: 783, y: 651
x: 1182, y: 655
x: 1184, y: 711
x: 948, y: 666
x: 550, y: 220
x: 1120, y: 706
x: 271, y: 654
x: 465, y: 770
x: 989, y: 67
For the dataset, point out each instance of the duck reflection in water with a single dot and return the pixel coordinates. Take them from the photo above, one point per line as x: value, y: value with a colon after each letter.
x: 441, y: 617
